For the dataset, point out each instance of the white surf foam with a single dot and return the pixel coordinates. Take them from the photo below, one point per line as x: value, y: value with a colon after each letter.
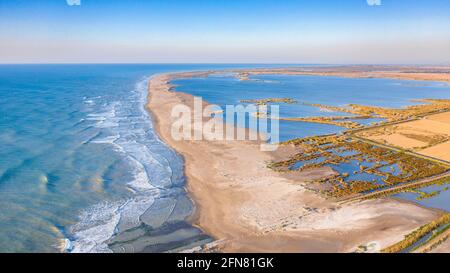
x: 130, y: 133
x: 95, y: 227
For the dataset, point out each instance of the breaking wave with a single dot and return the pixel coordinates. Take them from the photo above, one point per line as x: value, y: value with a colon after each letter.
x: 157, y: 171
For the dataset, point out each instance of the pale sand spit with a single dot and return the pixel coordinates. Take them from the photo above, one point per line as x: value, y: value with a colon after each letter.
x: 255, y: 209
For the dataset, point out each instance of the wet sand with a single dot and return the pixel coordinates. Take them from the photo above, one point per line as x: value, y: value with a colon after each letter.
x: 254, y: 209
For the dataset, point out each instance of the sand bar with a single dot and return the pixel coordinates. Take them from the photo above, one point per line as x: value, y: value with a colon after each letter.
x: 255, y: 209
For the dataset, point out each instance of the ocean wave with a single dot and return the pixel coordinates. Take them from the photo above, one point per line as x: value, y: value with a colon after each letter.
x: 97, y: 224
x: 106, y: 140
x: 157, y: 171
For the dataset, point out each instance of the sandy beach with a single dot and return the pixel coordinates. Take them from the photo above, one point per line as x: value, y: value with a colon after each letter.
x: 417, y: 73
x: 255, y: 209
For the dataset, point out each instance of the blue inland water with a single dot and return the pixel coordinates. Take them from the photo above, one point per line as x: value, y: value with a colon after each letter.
x: 227, y: 89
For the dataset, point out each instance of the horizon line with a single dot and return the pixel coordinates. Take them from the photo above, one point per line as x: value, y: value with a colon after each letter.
x: 224, y: 63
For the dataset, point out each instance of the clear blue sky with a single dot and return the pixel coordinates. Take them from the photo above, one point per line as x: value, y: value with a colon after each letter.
x: 263, y: 31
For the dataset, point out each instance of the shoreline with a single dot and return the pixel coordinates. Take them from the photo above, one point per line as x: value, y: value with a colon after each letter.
x: 275, y: 213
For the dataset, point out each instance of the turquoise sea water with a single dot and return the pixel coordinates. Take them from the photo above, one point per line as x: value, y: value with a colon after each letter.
x: 226, y: 89
x: 79, y: 162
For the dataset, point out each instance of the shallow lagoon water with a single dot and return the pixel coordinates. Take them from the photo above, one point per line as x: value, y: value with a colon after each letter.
x: 226, y: 89
x: 440, y: 201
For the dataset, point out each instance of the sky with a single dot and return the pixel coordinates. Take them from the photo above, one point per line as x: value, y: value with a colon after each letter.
x: 225, y: 31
